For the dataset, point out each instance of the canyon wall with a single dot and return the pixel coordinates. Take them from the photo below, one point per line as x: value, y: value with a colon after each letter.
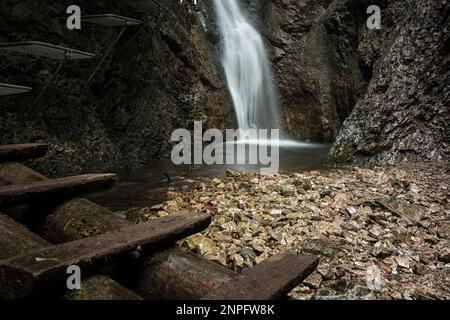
x: 162, y: 78
x: 314, y: 51
x: 405, y: 113
x: 381, y: 96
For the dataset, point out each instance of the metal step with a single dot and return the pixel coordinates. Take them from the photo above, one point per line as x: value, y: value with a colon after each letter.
x: 110, y: 20
x: 46, y: 50
x: 7, y: 89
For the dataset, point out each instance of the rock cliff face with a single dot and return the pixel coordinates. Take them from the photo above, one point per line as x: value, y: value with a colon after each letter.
x: 313, y: 46
x: 316, y: 63
x: 162, y: 78
x: 405, y: 112
x: 390, y: 86
x: 378, y: 95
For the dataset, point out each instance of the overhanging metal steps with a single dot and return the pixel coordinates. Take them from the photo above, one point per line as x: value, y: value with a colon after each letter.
x: 47, y: 50
x: 110, y: 20
x: 8, y: 89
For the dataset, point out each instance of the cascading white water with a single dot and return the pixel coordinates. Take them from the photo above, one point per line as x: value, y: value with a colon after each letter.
x: 247, y: 69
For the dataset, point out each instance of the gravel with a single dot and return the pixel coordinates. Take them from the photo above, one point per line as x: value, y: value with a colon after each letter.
x: 381, y: 233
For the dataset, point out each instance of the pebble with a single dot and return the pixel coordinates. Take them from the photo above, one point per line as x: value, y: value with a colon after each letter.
x: 379, y: 233
x: 313, y: 280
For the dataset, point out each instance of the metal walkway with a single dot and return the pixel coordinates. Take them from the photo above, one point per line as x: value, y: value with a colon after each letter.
x: 108, y: 20
x: 46, y: 50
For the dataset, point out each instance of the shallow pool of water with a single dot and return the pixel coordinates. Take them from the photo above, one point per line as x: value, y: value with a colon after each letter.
x: 149, y: 185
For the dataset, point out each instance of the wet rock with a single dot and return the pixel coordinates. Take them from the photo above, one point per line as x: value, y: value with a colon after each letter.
x: 382, y: 127
x: 128, y: 131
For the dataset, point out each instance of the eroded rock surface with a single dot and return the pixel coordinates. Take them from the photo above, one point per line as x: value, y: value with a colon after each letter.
x: 384, y: 94
x: 404, y: 115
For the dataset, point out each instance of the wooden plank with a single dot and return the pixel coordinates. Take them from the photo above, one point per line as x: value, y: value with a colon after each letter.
x: 54, y: 189
x: 75, y: 219
x: 176, y: 274
x: 21, y: 152
x: 172, y: 273
x: 100, y: 287
x: 269, y: 280
x: 15, y: 240
x: 44, y: 268
x: 17, y: 173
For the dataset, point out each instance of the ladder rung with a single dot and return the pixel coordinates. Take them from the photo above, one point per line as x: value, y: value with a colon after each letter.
x: 54, y: 189
x: 269, y: 280
x: 44, y: 268
x: 20, y: 152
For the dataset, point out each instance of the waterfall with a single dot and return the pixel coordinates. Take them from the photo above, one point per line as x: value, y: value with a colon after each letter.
x: 247, y: 68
